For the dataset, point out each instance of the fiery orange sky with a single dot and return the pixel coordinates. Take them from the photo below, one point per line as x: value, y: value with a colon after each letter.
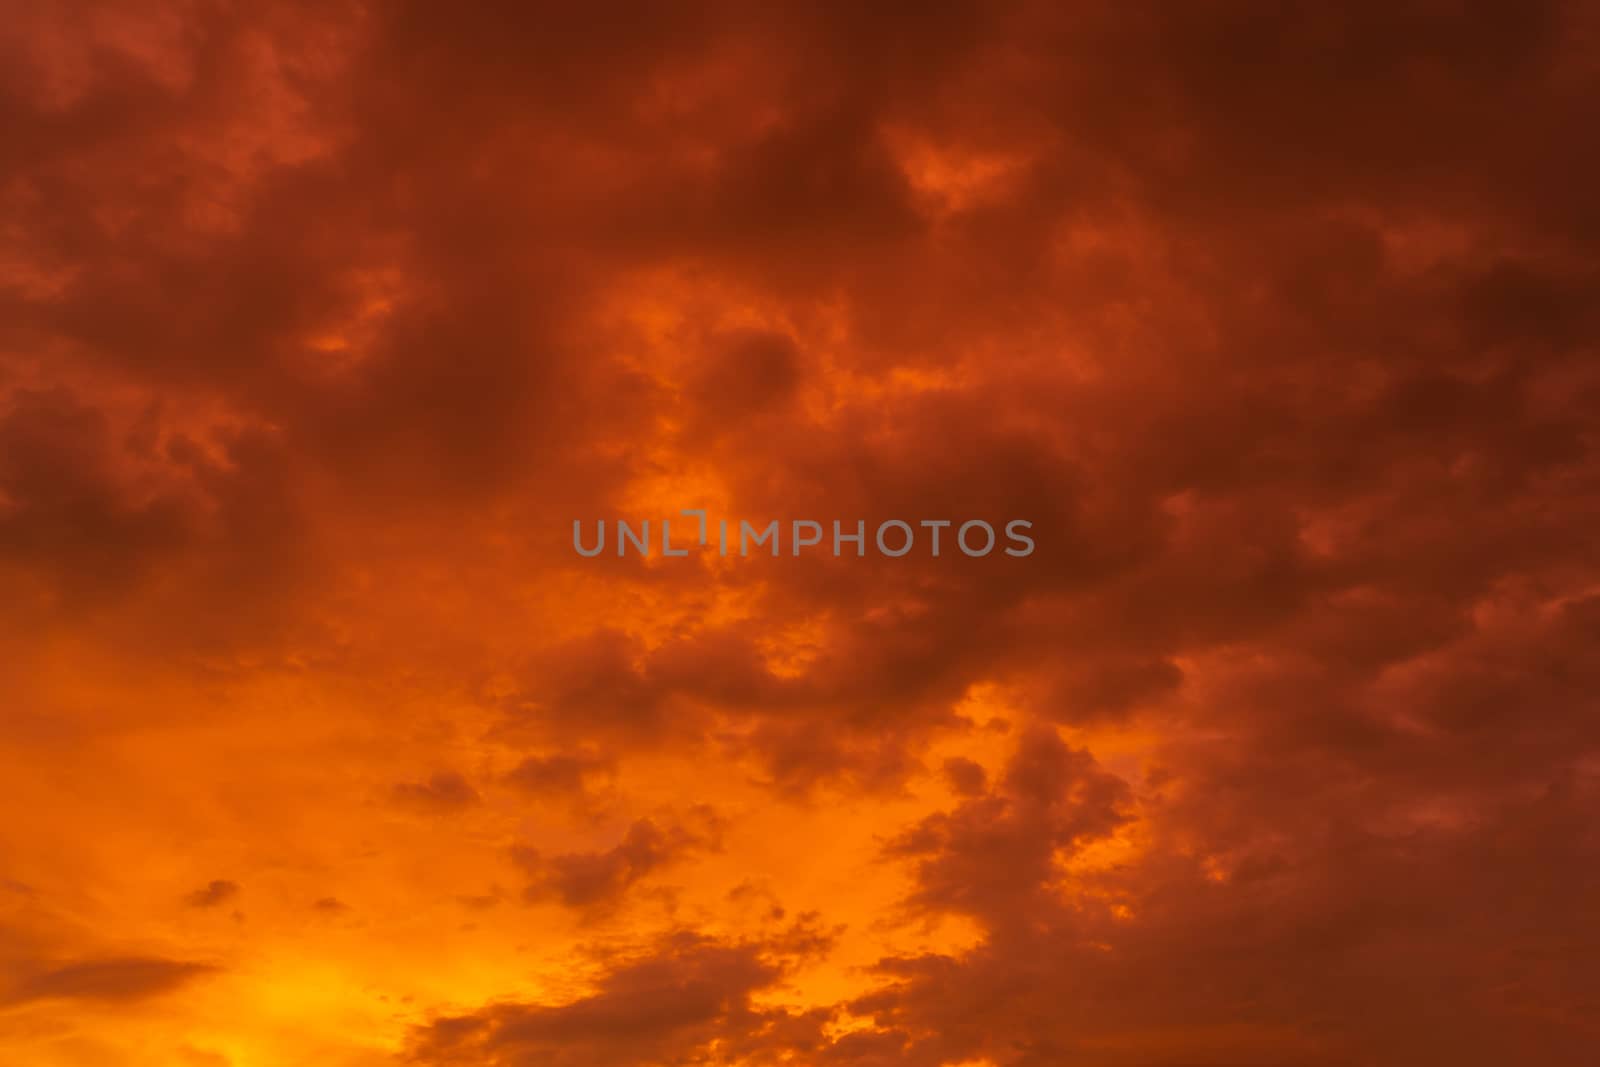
x: 321, y: 323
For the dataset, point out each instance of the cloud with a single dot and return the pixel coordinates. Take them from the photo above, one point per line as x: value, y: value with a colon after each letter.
x: 213, y: 893
x: 965, y: 776
x: 597, y: 881
x: 994, y: 857
x: 558, y: 774
x: 444, y: 791
x: 685, y: 997
x: 109, y: 979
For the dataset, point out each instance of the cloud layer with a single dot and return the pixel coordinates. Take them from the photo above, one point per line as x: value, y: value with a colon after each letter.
x: 320, y: 323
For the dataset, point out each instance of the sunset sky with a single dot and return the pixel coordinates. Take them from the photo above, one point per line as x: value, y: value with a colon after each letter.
x: 321, y: 323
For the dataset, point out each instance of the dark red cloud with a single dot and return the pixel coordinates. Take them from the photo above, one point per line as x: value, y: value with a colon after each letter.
x: 687, y: 997
x: 113, y: 979
x: 996, y: 853
x: 444, y: 791
x: 215, y: 892
x: 321, y: 323
x: 594, y: 882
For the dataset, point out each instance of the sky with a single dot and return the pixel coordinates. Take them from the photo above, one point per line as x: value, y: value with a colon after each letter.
x: 321, y: 323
